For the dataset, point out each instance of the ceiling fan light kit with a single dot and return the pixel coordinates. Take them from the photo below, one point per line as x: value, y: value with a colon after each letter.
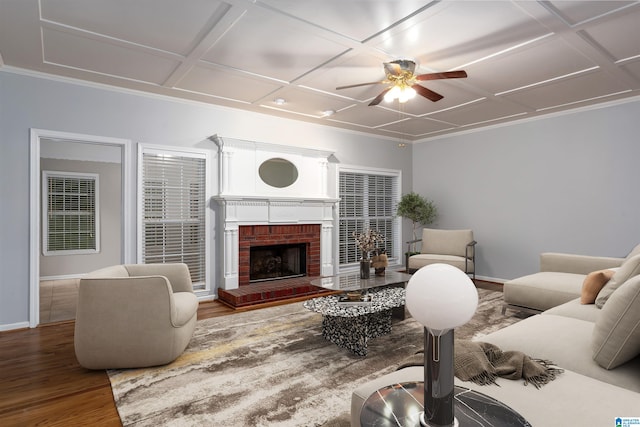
x: 403, y: 82
x: 401, y: 92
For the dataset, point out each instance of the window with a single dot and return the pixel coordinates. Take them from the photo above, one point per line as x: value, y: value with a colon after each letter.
x: 173, y: 211
x: 70, y: 217
x: 367, y: 200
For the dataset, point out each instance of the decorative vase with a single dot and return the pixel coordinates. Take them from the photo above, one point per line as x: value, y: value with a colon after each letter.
x: 379, y: 263
x: 365, y: 266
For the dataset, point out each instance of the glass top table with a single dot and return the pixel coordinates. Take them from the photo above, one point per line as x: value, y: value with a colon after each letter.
x: 400, y: 405
x: 353, y: 282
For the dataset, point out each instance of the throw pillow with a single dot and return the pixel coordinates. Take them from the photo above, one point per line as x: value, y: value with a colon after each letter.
x: 592, y: 284
x: 628, y: 269
x: 616, y: 333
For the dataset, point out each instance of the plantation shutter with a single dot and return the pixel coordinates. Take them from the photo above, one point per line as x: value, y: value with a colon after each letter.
x: 367, y: 201
x: 174, y: 212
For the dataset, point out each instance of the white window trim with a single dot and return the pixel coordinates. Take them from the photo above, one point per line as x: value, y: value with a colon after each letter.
x: 397, y: 255
x: 45, y: 212
x: 178, y: 151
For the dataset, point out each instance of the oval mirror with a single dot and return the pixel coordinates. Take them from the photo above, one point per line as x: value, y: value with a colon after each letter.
x: 278, y: 172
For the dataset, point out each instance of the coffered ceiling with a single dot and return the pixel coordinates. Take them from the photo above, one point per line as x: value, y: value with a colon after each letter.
x: 523, y: 58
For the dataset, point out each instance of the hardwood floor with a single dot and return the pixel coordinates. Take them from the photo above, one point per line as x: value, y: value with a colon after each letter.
x: 41, y: 382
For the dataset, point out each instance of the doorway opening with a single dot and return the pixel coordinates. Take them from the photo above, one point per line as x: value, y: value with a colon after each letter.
x: 79, y: 215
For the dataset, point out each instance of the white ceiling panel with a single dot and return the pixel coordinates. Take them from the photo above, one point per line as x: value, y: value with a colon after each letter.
x: 528, y: 65
x: 367, y: 116
x: 74, y: 51
x: 225, y: 84
x: 582, y: 88
x: 305, y: 102
x: 523, y: 58
x: 607, y: 35
x: 634, y: 69
x: 162, y: 24
x: 456, y: 33
x: 273, y: 46
x: 577, y: 12
x: 479, y: 112
x: 341, y: 16
x: 416, y: 128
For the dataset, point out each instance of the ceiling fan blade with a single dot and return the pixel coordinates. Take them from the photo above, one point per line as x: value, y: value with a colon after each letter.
x: 445, y: 75
x: 427, y: 93
x: 379, y: 98
x: 360, y: 84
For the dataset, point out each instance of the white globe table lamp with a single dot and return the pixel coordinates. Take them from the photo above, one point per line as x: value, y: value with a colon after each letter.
x: 441, y: 298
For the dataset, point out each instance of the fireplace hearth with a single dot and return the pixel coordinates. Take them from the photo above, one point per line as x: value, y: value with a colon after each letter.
x: 275, y: 262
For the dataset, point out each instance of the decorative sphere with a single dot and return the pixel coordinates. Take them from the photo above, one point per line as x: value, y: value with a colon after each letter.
x: 441, y: 297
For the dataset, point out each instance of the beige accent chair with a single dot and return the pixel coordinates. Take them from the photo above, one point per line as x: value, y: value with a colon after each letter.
x: 132, y: 316
x: 453, y: 247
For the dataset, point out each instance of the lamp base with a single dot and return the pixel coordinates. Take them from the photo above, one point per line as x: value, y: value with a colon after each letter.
x: 438, y: 379
x: 424, y: 423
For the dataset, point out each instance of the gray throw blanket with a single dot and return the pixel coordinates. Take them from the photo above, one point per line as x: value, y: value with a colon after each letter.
x: 482, y: 363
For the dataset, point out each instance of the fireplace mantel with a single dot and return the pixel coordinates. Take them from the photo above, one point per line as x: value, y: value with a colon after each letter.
x: 255, y: 210
x: 244, y: 199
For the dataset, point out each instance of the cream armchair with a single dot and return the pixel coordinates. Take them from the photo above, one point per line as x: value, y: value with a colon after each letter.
x: 131, y: 316
x: 453, y: 247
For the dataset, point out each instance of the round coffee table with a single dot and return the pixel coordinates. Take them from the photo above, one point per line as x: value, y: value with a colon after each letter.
x: 400, y: 405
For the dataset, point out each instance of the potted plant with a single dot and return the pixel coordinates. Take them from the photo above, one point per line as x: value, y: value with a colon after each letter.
x: 420, y: 210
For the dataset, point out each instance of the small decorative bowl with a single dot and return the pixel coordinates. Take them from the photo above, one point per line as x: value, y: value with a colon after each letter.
x: 354, y: 295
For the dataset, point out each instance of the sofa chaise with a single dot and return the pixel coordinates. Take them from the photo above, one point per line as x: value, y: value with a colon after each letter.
x: 559, y: 280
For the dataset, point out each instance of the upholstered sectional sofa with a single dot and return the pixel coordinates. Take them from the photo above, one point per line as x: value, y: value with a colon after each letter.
x: 599, y: 349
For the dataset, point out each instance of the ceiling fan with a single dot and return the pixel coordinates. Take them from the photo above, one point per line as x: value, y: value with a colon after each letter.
x: 403, y: 82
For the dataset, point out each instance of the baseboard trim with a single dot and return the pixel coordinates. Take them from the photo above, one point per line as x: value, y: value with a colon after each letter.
x: 14, y: 326
x: 63, y: 277
x: 491, y: 279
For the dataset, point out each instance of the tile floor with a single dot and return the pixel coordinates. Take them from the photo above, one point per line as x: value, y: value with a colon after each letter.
x: 58, y: 300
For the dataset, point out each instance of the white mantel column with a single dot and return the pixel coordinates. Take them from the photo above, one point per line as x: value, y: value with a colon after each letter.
x: 326, y: 250
x: 324, y: 166
x: 225, y: 168
x: 231, y: 256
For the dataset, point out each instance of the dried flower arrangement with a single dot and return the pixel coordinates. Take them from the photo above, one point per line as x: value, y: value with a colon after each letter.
x: 368, y: 241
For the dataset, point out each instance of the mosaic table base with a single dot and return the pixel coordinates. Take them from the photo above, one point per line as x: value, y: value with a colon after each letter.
x: 351, y: 326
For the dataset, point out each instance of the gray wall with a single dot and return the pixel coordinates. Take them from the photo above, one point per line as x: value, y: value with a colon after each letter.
x: 565, y: 183
x: 110, y: 205
x: 32, y: 102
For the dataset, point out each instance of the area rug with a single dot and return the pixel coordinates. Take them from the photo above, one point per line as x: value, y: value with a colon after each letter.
x: 271, y: 367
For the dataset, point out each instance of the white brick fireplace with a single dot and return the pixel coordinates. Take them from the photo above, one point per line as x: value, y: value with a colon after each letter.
x: 245, y: 199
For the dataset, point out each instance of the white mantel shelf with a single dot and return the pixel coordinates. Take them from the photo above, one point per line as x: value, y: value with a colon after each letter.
x: 270, y: 199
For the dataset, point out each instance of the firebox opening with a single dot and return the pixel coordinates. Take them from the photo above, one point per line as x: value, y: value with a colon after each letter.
x: 277, y: 262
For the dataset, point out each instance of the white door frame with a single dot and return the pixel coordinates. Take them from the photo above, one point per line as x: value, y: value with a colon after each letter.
x: 35, y: 201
